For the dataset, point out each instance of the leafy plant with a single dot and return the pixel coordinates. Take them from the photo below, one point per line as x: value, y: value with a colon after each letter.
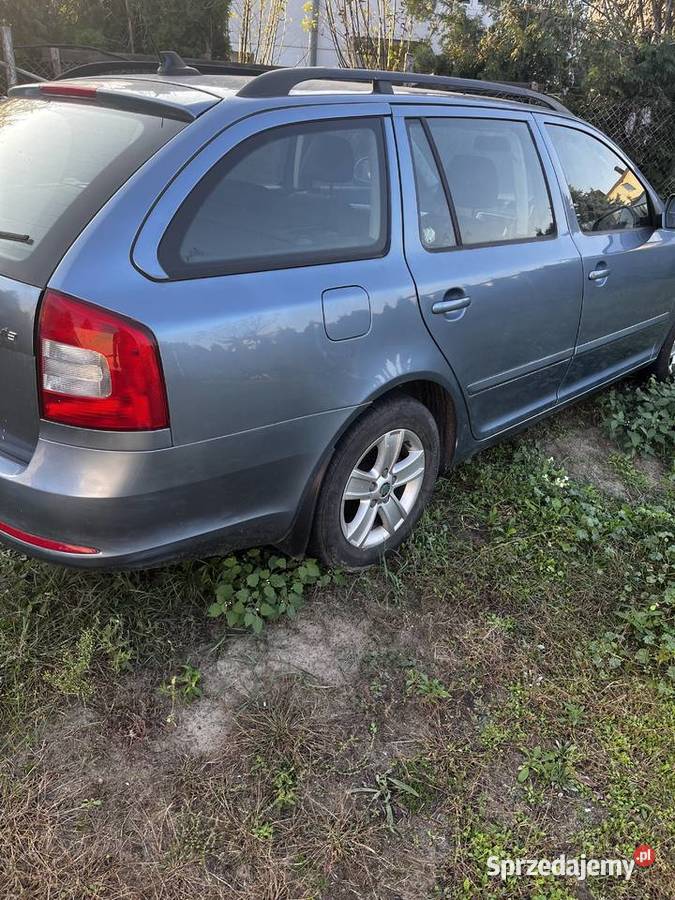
x: 185, y: 686
x: 71, y: 676
x: 642, y: 420
x: 554, y: 767
x: 285, y: 783
x: 419, y: 683
x: 258, y: 587
x: 543, y: 534
x: 385, y: 793
x: 263, y: 831
x: 575, y: 713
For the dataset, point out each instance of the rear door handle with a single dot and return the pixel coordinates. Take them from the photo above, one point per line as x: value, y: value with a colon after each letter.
x: 450, y: 305
x: 599, y: 273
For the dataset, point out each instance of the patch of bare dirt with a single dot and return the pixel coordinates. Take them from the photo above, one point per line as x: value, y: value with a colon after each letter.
x: 585, y: 455
x: 325, y: 643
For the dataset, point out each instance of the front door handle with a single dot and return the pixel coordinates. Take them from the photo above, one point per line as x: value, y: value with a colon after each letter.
x: 598, y: 274
x: 450, y: 305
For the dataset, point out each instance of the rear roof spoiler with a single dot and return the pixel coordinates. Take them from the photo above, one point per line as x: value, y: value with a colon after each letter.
x: 116, y: 99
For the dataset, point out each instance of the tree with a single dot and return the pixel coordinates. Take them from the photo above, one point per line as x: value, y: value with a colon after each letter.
x: 193, y: 27
x: 372, y: 34
x: 259, y: 26
x: 540, y: 40
x: 31, y: 22
x: 460, y: 37
x: 636, y: 21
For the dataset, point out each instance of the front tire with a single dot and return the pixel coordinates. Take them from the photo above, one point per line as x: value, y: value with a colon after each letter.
x: 377, y: 484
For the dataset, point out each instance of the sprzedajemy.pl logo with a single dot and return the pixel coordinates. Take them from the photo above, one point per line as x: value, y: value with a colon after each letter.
x: 563, y: 866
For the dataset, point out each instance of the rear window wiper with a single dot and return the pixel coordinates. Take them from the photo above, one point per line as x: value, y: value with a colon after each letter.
x: 19, y: 238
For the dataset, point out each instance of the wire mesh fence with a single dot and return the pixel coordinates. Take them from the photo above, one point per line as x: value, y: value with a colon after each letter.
x: 52, y: 61
x: 645, y: 133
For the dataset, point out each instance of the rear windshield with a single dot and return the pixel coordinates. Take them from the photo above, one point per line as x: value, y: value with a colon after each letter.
x: 59, y: 163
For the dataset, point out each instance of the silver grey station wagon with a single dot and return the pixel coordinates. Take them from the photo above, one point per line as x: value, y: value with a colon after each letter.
x: 240, y: 310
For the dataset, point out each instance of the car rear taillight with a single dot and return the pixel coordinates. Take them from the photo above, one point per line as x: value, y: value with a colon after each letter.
x: 98, y: 369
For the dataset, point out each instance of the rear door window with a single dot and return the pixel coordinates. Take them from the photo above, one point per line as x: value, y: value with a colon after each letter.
x: 296, y: 195
x: 496, y: 179
x: 59, y: 164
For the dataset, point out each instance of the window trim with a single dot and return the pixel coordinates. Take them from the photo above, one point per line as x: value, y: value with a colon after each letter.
x: 448, y: 194
x: 599, y: 137
x: 295, y: 260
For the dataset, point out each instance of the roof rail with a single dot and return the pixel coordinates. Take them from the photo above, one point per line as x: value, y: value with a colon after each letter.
x: 280, y: 82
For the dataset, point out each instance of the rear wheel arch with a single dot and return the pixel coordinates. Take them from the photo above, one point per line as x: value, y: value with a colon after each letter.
x: 442, y: 406
x: 389, y: 492
x: 438, y: 400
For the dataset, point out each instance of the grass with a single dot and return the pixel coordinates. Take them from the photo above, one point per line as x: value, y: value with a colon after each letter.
x: 504, y: 686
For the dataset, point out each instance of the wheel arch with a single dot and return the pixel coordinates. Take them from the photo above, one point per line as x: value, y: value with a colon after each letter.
x: 442, y: 402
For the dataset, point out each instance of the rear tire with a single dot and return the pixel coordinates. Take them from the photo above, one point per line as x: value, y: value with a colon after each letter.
x: 664, y: 367
x: 377, y: 484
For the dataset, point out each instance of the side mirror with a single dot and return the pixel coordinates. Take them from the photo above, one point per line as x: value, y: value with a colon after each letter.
x: 669, y: 212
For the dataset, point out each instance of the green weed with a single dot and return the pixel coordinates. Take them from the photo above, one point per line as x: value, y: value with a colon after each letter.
x: 419, y: 683
x: 259, y: 587
x: 642, y: 420
x: 185, y: 686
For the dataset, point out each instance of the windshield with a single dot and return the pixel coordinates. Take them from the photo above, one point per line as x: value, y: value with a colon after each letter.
x: 59, y: 163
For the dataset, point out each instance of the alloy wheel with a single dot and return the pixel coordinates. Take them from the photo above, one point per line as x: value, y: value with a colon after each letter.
x: 382, y: 488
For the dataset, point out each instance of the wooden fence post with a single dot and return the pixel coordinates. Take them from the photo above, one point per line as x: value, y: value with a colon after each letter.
x: 55, y: 56
x: 8, y: 54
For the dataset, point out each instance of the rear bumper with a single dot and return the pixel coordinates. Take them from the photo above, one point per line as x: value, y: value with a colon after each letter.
x: 143, y: 508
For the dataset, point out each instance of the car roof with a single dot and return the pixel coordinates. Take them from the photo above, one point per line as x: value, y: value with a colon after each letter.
x: 194, y: 94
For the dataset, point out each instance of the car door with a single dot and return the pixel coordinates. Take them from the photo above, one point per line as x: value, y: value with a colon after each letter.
x: 628, y: 260
x: 498, y: 276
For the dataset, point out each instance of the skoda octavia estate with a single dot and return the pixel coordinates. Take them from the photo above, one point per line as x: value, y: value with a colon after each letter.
x: 241, y: 310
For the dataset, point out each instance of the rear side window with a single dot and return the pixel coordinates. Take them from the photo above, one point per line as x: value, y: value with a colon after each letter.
x: 606, y: 193
x: 59, y: 163
x: 495, y: 178
x: 296, y: 195
x: 433, y: 213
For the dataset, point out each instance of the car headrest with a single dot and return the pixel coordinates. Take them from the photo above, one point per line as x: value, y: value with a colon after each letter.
x: 328, y: 160
x: 490, y: 143
x: 473, y: 181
